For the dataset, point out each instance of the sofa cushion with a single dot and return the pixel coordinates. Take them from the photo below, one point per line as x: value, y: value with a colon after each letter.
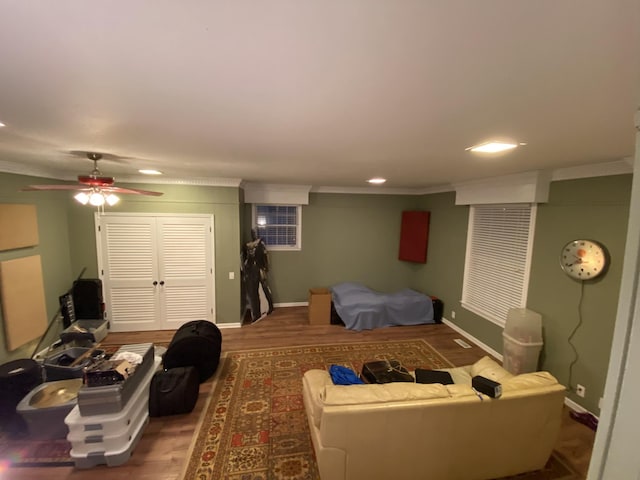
x: 525, y: 381
x: 314, y: 382
x: 489, y: 368
x: 335, y: 395
x: 458, y: 390
x: 460, y: 375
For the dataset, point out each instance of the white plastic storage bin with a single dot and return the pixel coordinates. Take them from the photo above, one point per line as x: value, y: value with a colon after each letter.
x: 109, y: 424
x: 522, y: 338
x: 84, y: 445
x: 111, y: 458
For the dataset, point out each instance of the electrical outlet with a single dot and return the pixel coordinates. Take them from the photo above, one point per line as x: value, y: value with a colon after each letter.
x: 453, y: 314
x: 232, y: 275
x: 580, y: 390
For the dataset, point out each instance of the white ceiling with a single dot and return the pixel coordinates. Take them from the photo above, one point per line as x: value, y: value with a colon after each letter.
x: 323, y: 93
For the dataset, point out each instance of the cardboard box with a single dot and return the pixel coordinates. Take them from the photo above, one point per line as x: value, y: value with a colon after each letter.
x: 319, y: 306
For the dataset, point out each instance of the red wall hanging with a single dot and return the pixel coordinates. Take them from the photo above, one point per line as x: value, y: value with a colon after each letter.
x: 414, y: 236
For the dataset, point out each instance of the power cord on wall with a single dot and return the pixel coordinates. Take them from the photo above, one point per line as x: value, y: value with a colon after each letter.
x: 576, y: 356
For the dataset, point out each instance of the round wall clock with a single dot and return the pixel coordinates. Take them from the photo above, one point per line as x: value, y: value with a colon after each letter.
x: 583, y: 259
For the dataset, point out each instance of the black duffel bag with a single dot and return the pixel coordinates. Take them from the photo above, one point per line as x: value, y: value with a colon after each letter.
x: 197, y: 343
x: 173, y: 391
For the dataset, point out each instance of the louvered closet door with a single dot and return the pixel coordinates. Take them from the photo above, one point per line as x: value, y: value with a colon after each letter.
x: 185, y: 246
x: 157, y: 271
x: 129, y: 267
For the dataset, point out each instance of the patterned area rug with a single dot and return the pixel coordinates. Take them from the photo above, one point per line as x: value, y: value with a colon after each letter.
x: 255, y: 428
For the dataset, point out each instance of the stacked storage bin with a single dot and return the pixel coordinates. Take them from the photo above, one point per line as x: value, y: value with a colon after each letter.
x: 522, y: 338
x: 108, y: 421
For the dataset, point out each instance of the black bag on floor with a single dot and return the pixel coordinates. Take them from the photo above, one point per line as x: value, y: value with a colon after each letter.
x: 197, y: 343
x: 173, y: 391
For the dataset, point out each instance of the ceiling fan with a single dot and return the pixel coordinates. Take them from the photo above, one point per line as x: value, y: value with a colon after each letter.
x: 95, y: 188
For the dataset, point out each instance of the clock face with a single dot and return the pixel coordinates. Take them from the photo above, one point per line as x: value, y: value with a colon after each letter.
x: 583, y: 259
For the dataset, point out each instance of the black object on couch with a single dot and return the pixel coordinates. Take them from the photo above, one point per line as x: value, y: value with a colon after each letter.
x: 385, y: 371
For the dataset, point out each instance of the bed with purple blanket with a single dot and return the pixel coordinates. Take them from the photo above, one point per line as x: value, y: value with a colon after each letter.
x: 361, y: 308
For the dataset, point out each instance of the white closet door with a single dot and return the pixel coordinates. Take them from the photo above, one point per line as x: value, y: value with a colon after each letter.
x: 186, y: 271
x: 129, y: 267
x: 157, y: 271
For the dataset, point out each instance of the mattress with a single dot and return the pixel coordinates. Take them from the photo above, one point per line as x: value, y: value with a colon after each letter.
x: 361, y: 308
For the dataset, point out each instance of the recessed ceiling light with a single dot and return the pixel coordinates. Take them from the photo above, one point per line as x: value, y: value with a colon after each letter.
x: 150, y: 172
x: 493, y: 147
x: 2, y: 125
x: 377, y: 180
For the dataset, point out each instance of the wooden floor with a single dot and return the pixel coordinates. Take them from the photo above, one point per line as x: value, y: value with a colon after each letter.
x: 163, y: 447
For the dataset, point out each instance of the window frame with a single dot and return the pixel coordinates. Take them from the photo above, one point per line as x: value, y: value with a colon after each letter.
x: 492, y: 314
x: 284, y: 248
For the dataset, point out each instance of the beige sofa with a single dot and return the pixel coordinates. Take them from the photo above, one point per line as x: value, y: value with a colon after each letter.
x: 432, y: 431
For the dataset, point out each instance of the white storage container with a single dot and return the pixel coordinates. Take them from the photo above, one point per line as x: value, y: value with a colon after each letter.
x: 109, y: 424
x: 522, y: 338
x: 85, y: 445
x: 111, y: 458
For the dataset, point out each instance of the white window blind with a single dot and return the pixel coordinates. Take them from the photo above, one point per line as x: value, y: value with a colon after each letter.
x: 279, y: 226
x: 497, y: 265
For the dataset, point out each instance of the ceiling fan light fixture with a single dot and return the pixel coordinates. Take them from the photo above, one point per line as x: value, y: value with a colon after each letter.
x: 96, y: 199
x: 82, y: 197
x: 112, y: 199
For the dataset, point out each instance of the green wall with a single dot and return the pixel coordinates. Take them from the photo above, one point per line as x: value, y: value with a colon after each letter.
x: 598, y: 209
x: 595, y: 208
x: 53, y: 249
x: 344, y: 238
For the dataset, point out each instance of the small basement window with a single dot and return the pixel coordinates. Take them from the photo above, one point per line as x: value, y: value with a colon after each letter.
x: 279, y: 226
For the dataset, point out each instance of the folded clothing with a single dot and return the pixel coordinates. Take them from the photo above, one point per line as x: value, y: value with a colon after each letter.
x: 343, y: 375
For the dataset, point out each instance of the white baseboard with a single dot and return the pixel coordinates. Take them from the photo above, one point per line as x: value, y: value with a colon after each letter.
x: 468, y: 336
x: 291, y: 304
x: 229, y: 325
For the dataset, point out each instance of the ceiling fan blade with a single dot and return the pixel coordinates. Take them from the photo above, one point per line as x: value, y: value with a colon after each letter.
x: 94, y: 181
x: 51, y: 187
x: 133, y: 191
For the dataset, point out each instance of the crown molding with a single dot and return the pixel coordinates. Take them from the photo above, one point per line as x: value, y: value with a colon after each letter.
x: 192, y: 181
x: 617, y: 167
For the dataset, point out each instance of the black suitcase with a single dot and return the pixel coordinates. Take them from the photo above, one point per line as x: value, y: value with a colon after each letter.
x: 197, y: 343
x: 385, y: 371
x: 173, y: 391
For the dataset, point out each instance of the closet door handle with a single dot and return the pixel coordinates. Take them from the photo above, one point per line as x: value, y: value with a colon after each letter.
x: 155, y: 283
x: 161, y: 282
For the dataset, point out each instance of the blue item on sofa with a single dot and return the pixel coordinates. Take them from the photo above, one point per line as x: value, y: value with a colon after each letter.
x: 361, y: 308
x: 343, y: 375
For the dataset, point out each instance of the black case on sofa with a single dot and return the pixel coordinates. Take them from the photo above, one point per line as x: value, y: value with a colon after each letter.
x: 385, y: 371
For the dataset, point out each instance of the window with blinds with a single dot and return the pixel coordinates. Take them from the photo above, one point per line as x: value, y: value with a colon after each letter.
x: 279, y: 226
x: 498, y: 258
